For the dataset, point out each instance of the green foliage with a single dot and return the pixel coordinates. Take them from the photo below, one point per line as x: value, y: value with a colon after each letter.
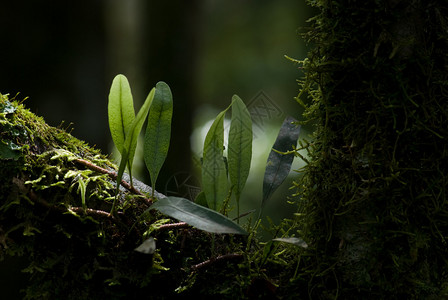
x: 196, y: 215
x: 240, y: 147
x: 215, y: 174
x: 121, y: 113
x: 280, y: 158
x: 158, y: 131
x: 125, y: 129
x: 132, y: 130
x: 130, y: 143
x: 214, y: 171
x: 159, y: 105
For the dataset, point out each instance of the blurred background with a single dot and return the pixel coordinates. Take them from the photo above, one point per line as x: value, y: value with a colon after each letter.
x: 63, y: 55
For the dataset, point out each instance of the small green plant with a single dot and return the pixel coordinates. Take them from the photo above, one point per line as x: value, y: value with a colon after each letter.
x: 214, y: 169
x: 218, y: 170
x: 222, y: 176
x: 125, y: 128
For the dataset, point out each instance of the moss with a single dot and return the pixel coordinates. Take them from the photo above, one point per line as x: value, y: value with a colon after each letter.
x: 41, y: 217
x: 373, y: 196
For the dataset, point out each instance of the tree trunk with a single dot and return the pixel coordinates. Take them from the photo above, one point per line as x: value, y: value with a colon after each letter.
x: 374, y: 199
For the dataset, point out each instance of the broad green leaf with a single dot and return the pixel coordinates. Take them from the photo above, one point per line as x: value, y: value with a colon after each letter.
x: 196, y: 215
x: 121, y: 113
x: 293, y: 240
x: 214, y: 173
x: 158, y: 131
x: 240, y: 146
x: 120, y: 110
x: 130, y: 143
x: 279, y: 165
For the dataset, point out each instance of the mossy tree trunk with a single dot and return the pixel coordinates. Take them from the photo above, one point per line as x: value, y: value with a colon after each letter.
x: 374, y: 196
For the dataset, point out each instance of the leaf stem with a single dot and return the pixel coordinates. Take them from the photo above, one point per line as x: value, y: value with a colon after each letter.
x: 174, y: 225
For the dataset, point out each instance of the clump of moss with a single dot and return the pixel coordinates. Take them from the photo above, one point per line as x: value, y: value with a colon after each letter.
x: 373, y: 198
x: 42, y: 217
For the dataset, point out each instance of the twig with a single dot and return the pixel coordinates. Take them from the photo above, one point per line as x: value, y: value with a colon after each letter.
x: 174, y: 225
x: 213, y: 260
x: 90, y: 211
x: 113, y: 175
